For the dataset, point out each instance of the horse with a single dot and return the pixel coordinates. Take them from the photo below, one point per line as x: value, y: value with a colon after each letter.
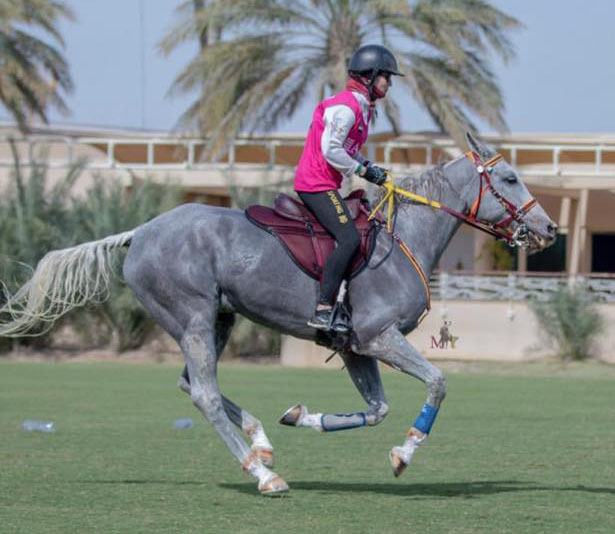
x: 195, y: 267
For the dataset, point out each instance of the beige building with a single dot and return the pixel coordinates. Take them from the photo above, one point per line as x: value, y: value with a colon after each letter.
x: 571, y: 175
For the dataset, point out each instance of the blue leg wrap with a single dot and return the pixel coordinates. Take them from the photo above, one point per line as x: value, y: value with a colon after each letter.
x: 334, y: 422
x: 426, y: 418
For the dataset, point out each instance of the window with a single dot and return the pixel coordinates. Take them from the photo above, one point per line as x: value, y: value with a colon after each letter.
x: 552, y: 259
x: 603, y: 253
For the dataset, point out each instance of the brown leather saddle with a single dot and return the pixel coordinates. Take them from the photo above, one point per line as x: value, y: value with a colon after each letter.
x: 305, y: 240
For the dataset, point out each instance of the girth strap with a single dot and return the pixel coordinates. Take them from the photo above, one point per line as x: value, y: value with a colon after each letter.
x: 377, y: 215
x: 406, y: 250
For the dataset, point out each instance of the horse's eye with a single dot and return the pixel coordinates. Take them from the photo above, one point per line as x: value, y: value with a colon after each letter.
x: 510, y: 179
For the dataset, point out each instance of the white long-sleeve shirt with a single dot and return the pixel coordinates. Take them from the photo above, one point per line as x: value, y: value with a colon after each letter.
x: 338, y: 122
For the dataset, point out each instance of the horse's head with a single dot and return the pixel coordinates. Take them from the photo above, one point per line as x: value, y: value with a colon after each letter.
x: 504, y: 202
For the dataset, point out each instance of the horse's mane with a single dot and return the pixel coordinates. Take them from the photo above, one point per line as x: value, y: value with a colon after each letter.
x: 427, y: 183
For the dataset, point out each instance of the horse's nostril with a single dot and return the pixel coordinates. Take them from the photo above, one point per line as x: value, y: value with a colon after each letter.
x: 552, y: 228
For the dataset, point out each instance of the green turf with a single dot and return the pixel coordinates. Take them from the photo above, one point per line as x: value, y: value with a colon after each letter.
x: 509, y: 453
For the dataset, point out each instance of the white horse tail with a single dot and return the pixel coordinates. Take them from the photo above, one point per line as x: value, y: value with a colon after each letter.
x: 63, y: 280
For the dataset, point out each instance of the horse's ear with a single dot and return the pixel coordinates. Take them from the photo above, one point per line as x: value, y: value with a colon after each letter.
x: 473, y: 144
x: 477, y: 146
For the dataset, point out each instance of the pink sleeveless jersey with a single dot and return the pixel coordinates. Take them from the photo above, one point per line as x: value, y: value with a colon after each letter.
x: 314, y: 174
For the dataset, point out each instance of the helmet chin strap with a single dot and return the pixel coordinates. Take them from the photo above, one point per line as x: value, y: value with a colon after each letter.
x: 370, y: 84
x: 374, y: 92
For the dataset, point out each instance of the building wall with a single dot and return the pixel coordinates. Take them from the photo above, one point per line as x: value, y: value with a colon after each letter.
x: 487, y: 331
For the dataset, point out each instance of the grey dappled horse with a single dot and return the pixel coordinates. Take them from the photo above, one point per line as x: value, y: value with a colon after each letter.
x: 194, y: 267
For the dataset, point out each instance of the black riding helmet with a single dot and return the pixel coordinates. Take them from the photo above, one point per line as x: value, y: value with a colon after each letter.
x: 369, y: 61
x: 372, y: 59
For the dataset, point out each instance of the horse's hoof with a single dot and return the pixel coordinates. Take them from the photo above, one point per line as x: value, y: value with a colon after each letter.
x: 292, y: 416
x: 397, y: 462
x: 264, y: 455
x: 273, y: 487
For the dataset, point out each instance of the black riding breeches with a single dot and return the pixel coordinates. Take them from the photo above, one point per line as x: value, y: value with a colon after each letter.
x: 331, y: 211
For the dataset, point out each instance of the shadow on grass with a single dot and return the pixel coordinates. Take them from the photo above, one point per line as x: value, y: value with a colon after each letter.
x: 466, y: 490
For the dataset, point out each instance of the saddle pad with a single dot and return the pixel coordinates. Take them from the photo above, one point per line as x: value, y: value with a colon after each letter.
x: 305, y: 240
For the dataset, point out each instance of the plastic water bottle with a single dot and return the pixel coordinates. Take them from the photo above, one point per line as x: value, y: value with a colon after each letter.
x: 38, y: 426
x: 182, y: 424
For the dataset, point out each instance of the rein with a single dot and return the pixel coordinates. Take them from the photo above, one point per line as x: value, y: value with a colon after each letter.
x: 498, y: 230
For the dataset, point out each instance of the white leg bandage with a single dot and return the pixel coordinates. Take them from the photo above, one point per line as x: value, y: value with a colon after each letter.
x: 410, y: 446
x: 259, y: 438
x: 311, y: 420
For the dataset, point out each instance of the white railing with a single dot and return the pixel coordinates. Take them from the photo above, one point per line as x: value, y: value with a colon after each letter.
x: 556, y: 166
x: 72, y: 147
x: 514, y: 286
x: 69, y: 146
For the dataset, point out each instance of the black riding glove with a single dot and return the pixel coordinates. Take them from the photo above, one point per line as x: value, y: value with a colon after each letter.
x: 374, y: 174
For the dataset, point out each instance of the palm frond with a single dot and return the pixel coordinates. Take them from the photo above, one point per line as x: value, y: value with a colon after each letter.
x: 269, y: 53
x: 33, y: 72
x: 469, y: 85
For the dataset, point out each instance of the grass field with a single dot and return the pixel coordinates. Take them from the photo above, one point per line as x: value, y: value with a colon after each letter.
x: 518, y: 452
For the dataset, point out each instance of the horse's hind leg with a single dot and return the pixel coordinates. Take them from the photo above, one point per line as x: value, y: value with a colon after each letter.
x: 191, y: 321
x: 365, y: 374
x: 253, y: 428
x: 249, y: 424
x: 199, y: 348
x: 392, y: 348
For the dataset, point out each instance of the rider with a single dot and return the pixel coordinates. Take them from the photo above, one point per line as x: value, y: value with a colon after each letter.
x: 331, y: 152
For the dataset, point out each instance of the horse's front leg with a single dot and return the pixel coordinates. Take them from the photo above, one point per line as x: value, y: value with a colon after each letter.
x: 392, y: 348
x: 365, y: 375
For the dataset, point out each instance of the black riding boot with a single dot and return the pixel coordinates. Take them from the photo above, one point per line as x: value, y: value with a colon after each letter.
x: 336, y: 319
x: 321, y: 320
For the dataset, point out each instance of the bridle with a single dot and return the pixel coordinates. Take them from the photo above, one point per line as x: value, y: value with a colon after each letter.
x: 500, y: 230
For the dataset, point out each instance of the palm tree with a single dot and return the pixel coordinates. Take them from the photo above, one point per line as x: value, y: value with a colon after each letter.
x: 33, y: 73
x: 267, y: 56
